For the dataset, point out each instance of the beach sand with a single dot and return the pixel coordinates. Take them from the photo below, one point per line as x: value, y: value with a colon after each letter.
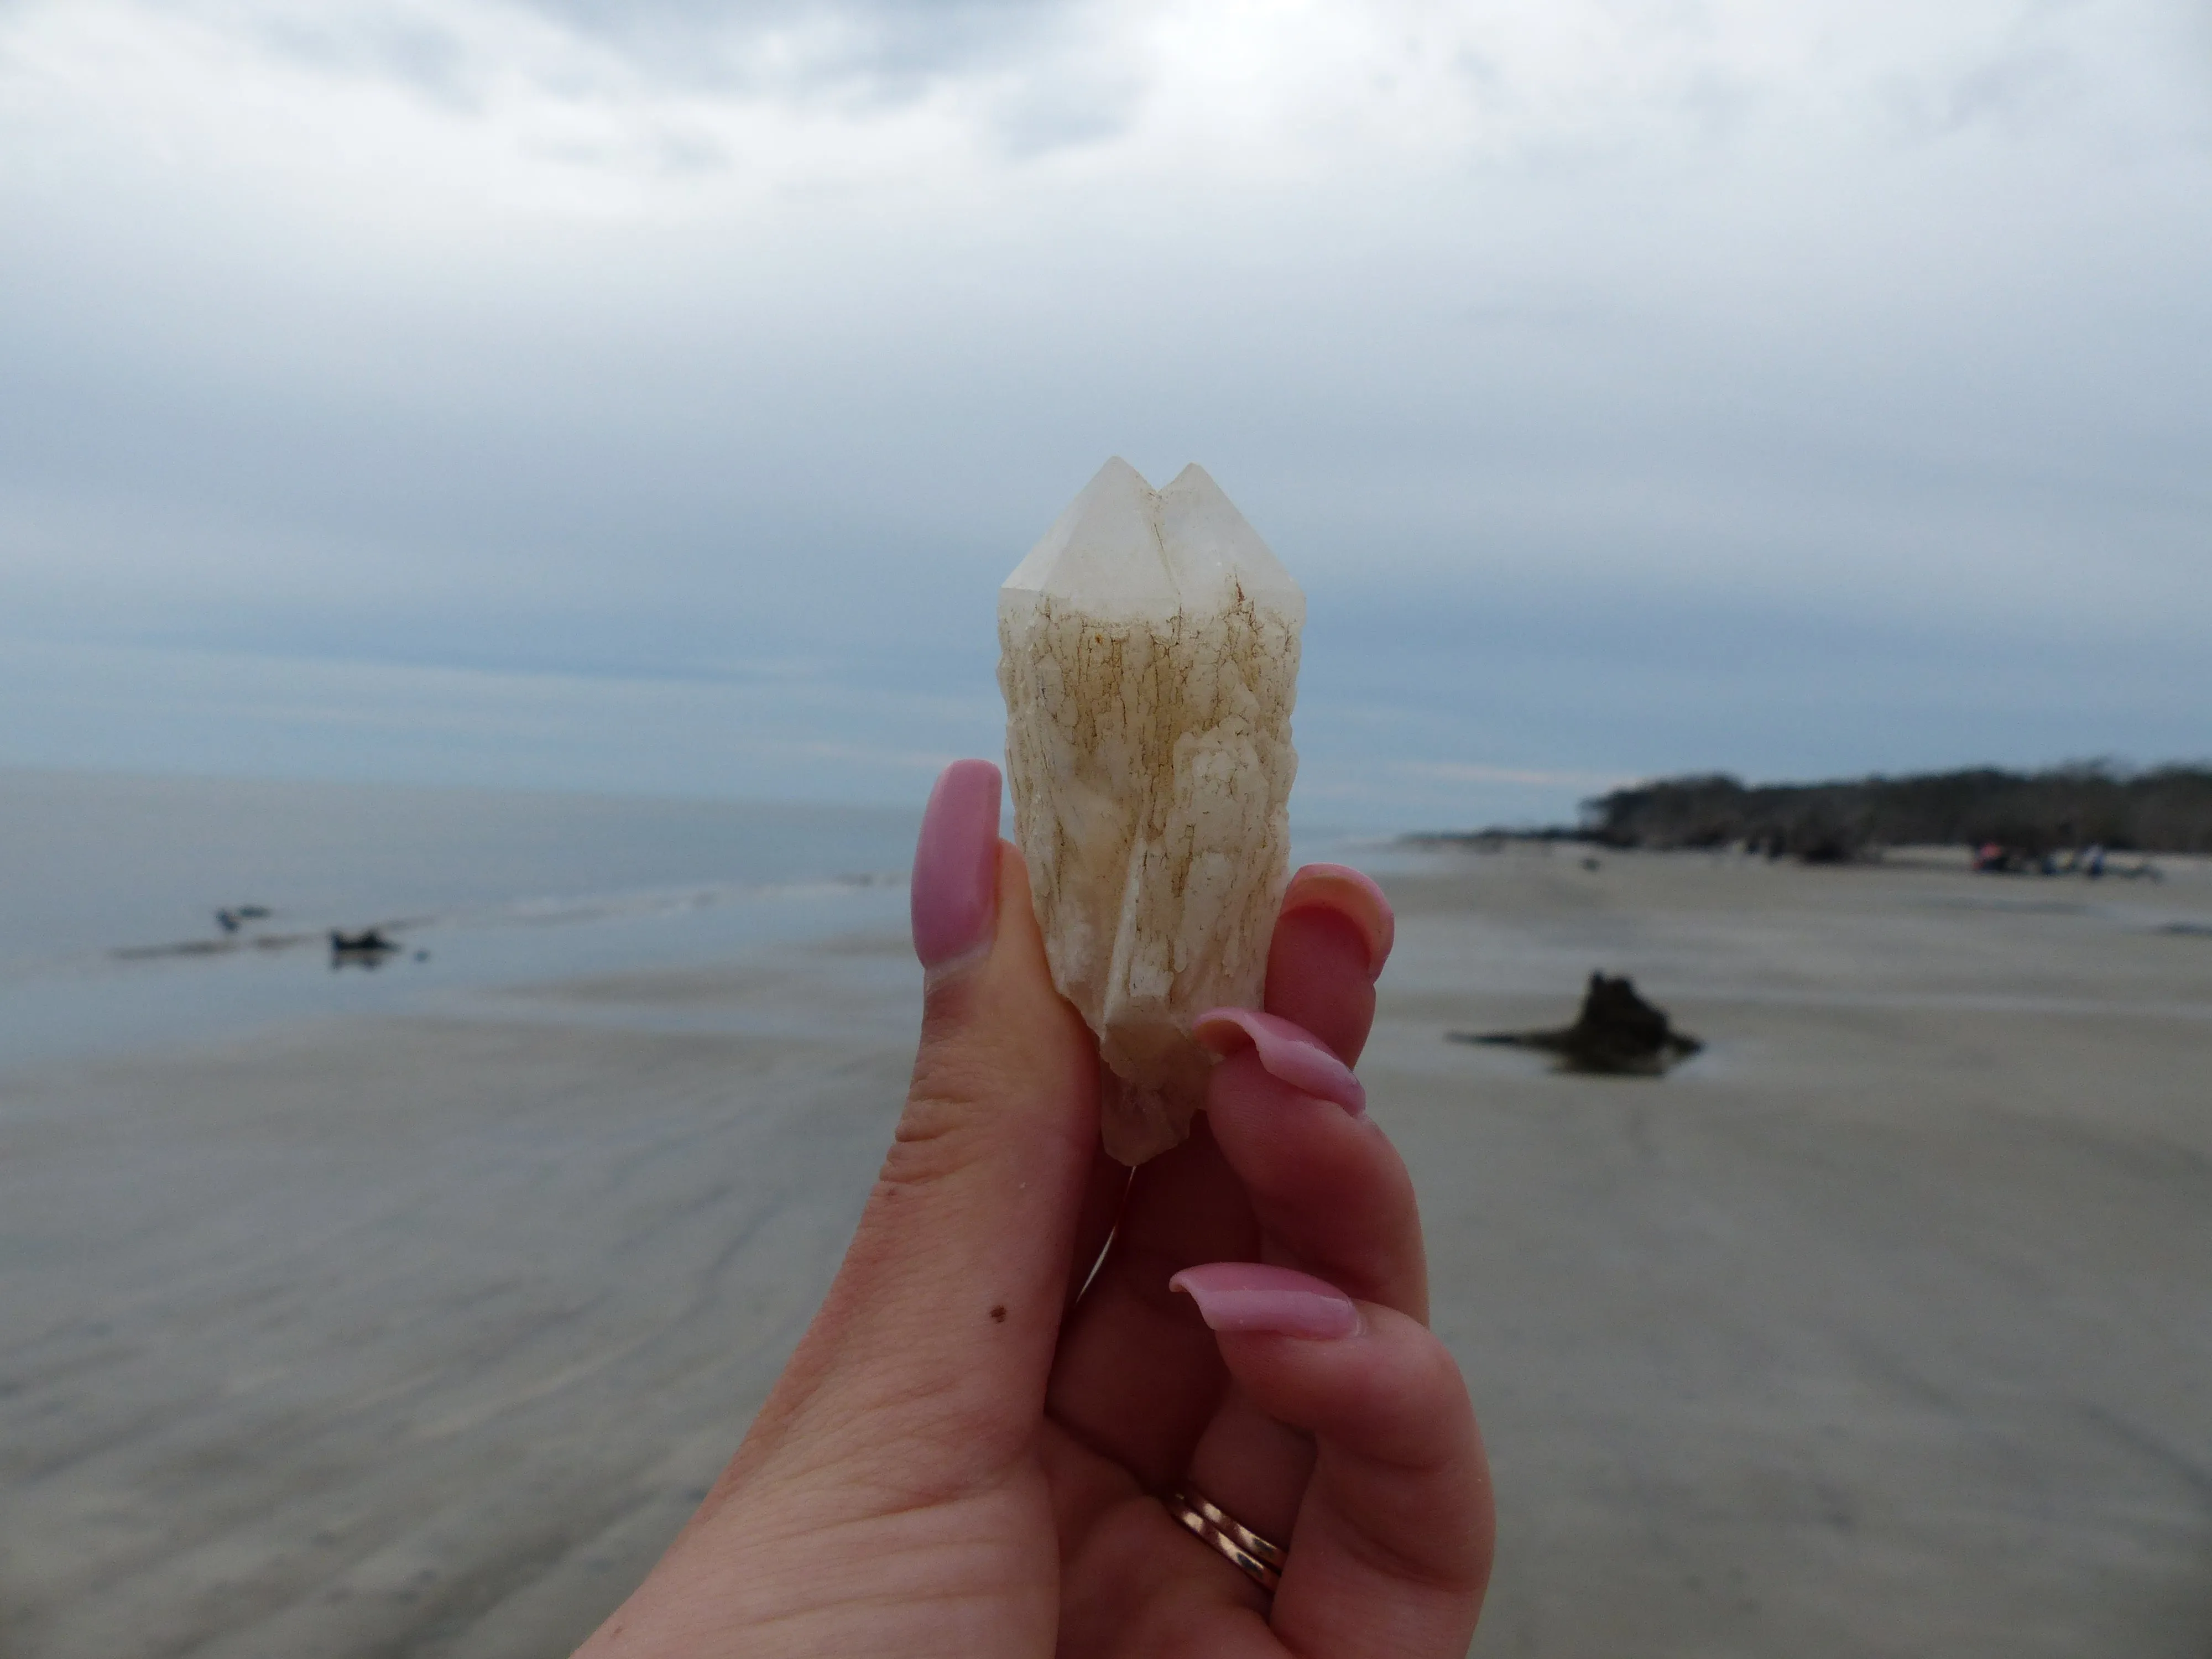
x: 1883, y: 1327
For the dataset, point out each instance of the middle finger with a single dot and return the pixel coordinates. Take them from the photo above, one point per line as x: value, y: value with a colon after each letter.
x: 1331, y: 1195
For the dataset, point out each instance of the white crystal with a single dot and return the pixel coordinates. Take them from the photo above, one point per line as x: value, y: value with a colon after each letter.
x: 1150, y: 658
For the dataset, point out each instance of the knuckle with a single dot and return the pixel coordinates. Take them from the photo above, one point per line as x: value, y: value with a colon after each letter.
x: 951, y: 1106
x: 937, y: 1135
x: 1413, y: 1409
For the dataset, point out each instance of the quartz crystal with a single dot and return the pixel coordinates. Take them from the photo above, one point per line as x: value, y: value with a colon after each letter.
x: 1150, y: 658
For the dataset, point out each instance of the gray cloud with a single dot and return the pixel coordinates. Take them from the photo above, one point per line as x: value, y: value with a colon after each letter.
x: 860, y: 52
x: 894, y: 46
x: 1049, y: 90
x: 425, y: 56
x: 1704, y: 423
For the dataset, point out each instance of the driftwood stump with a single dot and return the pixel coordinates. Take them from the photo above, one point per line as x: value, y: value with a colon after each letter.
x: 1617, y: 1032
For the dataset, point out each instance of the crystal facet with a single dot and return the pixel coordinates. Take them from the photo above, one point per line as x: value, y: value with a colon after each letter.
x: 1150, y: 658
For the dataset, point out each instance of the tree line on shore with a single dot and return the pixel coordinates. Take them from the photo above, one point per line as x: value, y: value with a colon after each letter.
x: 2032, y: 815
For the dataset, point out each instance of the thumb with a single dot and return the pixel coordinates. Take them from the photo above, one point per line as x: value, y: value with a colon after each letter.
x: 940, y: 1327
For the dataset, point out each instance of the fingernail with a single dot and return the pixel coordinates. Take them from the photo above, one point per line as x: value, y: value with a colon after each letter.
x: 955, y: 892
x: 1344, y: 891
x: 1287, y: 1051
x: 1245, y: 1296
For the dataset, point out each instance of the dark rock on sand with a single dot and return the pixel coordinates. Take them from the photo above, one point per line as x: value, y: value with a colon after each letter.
x: 1617, y: 1032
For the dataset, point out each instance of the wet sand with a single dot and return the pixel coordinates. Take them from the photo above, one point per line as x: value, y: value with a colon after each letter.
x: 1882, y: 1327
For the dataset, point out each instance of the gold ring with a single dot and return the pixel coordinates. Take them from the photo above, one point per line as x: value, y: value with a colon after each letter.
x: 1249, y: 1553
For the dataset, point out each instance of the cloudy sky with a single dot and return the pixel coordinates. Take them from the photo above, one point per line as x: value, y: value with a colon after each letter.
x: 650, y: 394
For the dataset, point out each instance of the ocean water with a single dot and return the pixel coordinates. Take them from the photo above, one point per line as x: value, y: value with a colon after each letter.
x: 109, y: 887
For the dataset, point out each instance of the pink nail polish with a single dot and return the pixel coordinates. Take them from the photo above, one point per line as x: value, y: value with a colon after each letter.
x: 1245, y: 1296
x: 1288, y: 1051
x: 1347, y: 894
x: 955, y: 892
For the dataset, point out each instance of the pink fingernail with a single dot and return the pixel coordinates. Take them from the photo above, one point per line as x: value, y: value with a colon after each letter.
x: 955, y: 892
x: 1344, y: 891
x: 1288, y: 1051
x: 1245, y: 1296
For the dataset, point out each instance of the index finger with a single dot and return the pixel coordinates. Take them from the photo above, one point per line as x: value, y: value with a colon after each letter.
x: 1332, y: 937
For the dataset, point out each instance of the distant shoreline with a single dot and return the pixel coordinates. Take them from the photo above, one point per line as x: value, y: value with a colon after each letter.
x: 2068, y: 816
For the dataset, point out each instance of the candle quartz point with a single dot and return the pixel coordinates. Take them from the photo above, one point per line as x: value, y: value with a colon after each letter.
x: 1149, y: 656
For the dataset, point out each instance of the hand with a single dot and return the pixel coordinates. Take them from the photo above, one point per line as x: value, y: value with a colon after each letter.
x: 956, y: 1461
